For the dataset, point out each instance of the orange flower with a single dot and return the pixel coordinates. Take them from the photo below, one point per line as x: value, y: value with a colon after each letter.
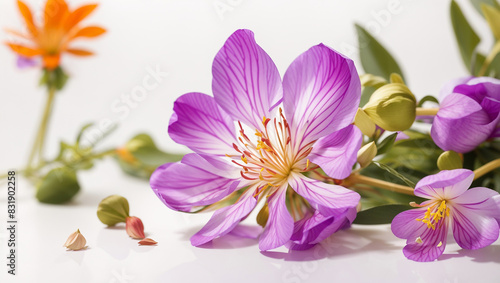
x: 60, y: 27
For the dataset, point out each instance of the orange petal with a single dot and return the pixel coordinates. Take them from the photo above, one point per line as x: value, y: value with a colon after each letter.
x: 28, y: 17
x: 56, y: 12
x: 23, y: 50
x: 16, y: 33
x: 79, y: 52
x: 78, y: 15
x: 91, y: 31
x: 147, y: 242
x: 51, y: 61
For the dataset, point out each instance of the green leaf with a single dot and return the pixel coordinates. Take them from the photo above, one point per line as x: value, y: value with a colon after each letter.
x: 427, y: 98
x: 386, y: 144
x: 477, y: 4
x: 375, y: 59
x: 395, y: 173
x: 467, y: 38
x: 59, y: 186
x: 380, y: 214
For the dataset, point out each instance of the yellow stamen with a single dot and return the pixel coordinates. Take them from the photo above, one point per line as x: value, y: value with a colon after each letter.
x: 419, y: 240
x: 440, y: 244
x: 433, y: 215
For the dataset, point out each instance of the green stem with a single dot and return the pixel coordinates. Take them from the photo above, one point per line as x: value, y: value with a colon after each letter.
x: 42, y: 130
x: 360, y: 179
x: 486, y: 168
x: 426, y: 111
x: 494, y: 51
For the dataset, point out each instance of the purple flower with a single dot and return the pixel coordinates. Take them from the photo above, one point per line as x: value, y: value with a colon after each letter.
x: 469, y: 114
x: 25, y: 62
x: 473, y: 215
x: 283, y: 130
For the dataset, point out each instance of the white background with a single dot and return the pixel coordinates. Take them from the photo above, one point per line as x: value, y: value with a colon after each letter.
x: 181, y: 38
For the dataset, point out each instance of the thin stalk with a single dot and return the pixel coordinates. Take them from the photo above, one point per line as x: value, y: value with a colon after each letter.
x: 360, y: 179
x: 42, y: 130
x: 426, y: 111
x: 486, y: 168
x: 494, y: 51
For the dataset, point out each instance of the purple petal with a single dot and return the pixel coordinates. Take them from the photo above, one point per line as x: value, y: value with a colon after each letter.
x: 321, y: 92
x: 337, y: 152
x: 432, y: 246
x: 25, y: 62
x: 447, y: 184
x: 224, y: 220
x: 246, y: 83
x: 324, y: 197
x: 472, y: 229
x: 313, y: 229
x: 279, y: 225
x: 450, y: 86
x: 200, y: 124
x: 196, y: 181
x: 246, y: 231
x: 423, y: 243
x: 480, y: 88
x: 462, y: 124
x: 404, y: 225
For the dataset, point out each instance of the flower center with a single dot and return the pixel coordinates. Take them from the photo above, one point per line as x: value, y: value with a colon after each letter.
x: 435, y: 214
x: 270, y: 157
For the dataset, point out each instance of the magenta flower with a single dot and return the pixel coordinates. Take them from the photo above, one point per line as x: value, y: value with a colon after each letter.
x: 283, y: 130
x: 473, y: 215
x: 469, y: 114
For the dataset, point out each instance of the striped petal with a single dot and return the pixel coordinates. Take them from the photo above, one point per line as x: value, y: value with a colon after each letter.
x: 337, y: 152
x: 200, y: 124
x: 326, y: 198
x: 195, y: 181
x: 447, y: 184
x: 321, y: 92
x: 246, y: 83
x: 279, y: 227
x: 225, y: 220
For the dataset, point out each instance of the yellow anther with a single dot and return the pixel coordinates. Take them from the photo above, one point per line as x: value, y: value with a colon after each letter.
x: 257, y: 133
x: 418, y: 240
x: 307, y: 164
x: 244, y: 159
x: 264, y: 120
x: 440, y: 244
x: 260, y: 174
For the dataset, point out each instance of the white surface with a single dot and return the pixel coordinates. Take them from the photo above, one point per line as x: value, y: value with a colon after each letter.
x: 181, y: 38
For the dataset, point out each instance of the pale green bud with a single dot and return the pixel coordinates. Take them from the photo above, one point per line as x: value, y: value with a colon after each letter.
x: 366, y: 154
x: 112, y: 210
x: 449, y: 160
x: 364, y: 123
x: 392, y: 107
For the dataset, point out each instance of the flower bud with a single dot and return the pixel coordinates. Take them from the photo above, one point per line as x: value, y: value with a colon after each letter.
x: 449, y: 160
x: 392, y: 107
x: 134, y: 227
x: 366, y: 154
x: 364, y: 123
x: 75, y: 241
x: 148, y: 242
x: 112, y: 210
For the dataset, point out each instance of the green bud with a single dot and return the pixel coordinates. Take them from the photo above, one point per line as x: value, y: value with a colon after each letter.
x: 364, y: 123
x: 449, y: 160
x: 263, y: 216
x: 60, y: 185
x: 366, y: 154
x: 392, y: 107
x: 112, y: 210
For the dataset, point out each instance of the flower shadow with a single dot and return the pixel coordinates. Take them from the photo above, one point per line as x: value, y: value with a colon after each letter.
x: 342, y: 243
x: 486, y: 254
x: 228, y: 241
